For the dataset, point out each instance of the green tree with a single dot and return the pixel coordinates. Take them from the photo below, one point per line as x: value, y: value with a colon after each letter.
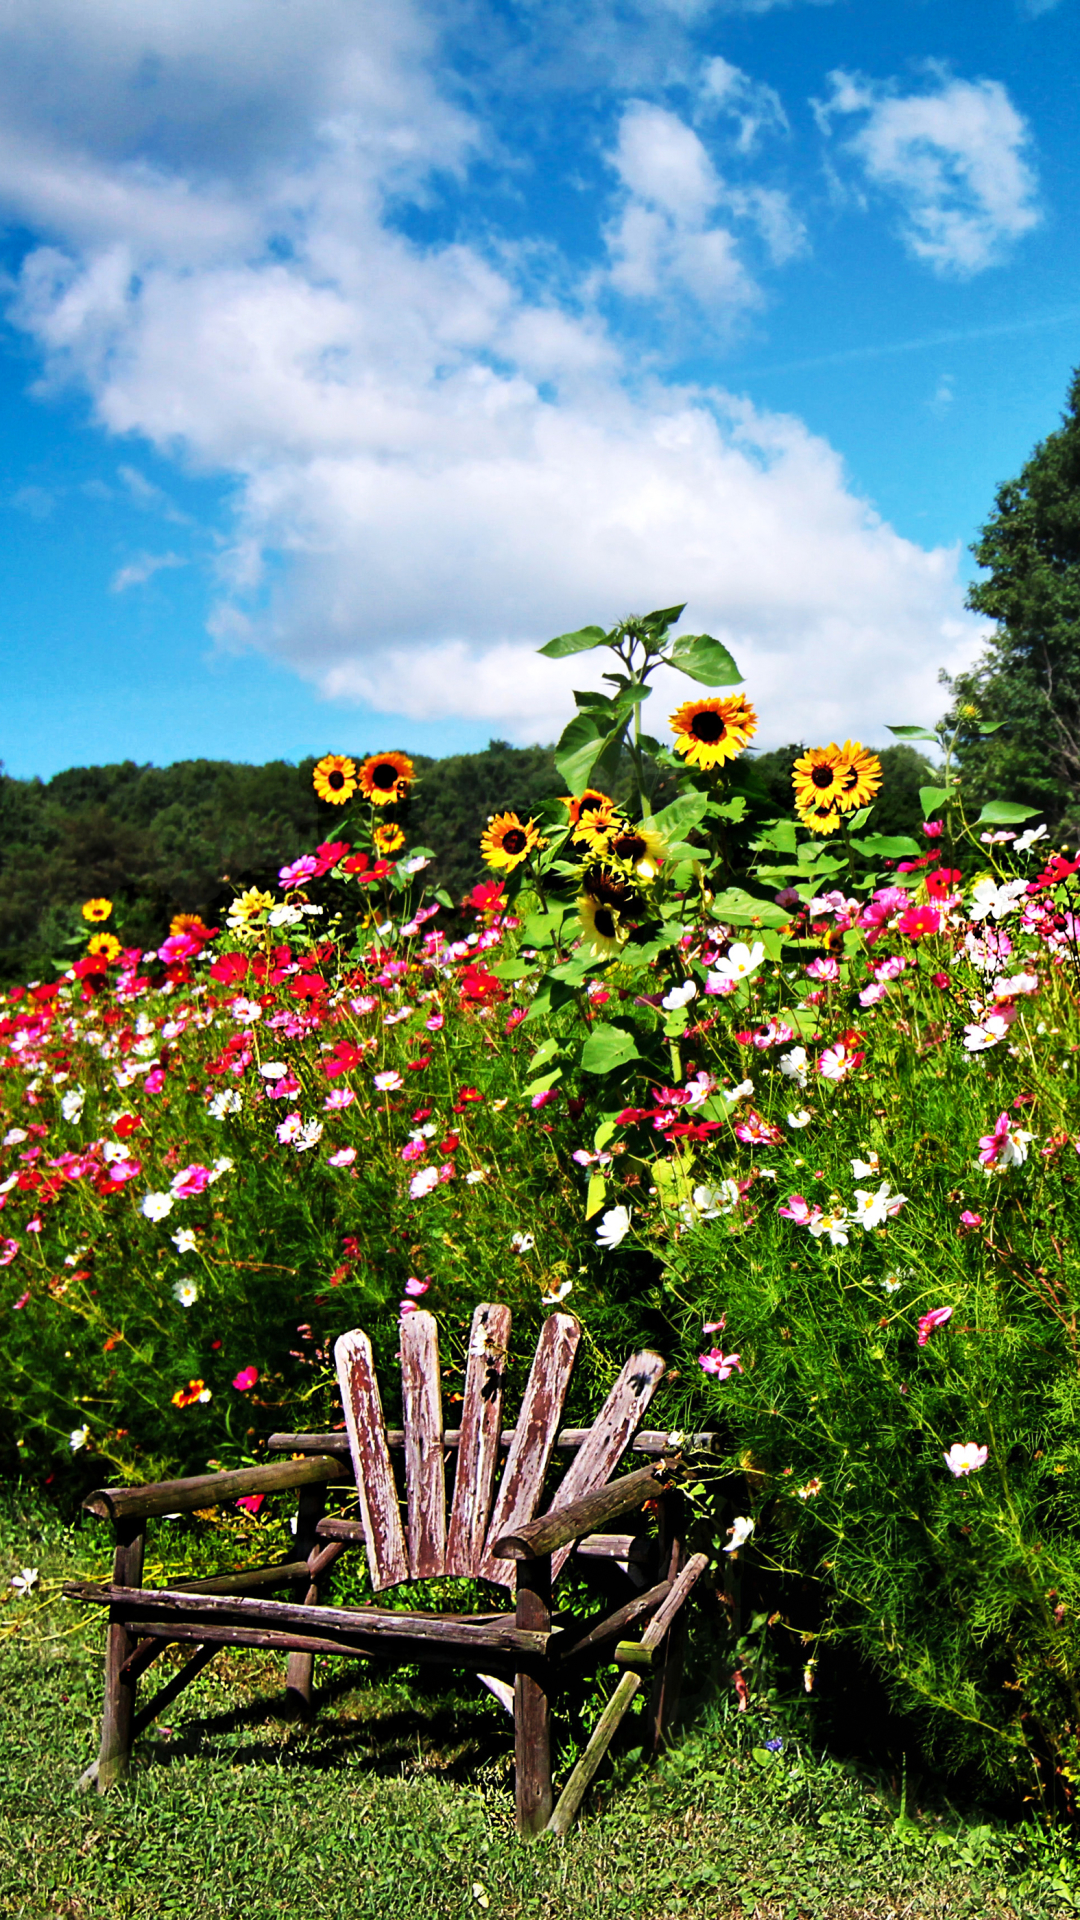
x: 1027, y: 681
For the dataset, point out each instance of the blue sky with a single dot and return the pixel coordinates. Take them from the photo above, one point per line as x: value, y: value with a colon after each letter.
x: 349, y: 350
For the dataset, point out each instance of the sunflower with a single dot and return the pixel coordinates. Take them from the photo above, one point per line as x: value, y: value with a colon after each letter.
x: 612, y: 888
x: 601, y: 926
x: 591, y: 801
x: 386, y: 777
x: 594, y: 828
x: 191, y: 924
x: 860, y: 775
x: 641, y: 847
x: 96, y: 910
x: 334, y: 778
x: 388, y: 839
x: 105, y: 943
x: 714, y: 730
x: 818, y: 778
x: 822, y: 818
x: 507, y: 840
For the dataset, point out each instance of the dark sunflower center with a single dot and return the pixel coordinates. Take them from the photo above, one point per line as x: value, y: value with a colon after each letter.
x: 515, y: 841
x: 630, y: 846
x: 851, y: 779
x: 823, y: 777
x: 335, y: 779
x: 605, y: 922
x: 709, y: 727
x: 384, y: 775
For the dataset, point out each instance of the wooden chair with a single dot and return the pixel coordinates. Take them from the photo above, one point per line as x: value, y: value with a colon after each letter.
x: 528, y: 1655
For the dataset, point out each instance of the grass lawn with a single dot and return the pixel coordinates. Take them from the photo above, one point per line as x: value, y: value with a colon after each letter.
x: 397, y: 1801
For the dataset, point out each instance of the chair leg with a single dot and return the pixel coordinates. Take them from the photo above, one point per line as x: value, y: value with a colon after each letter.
x: 667, y: 1683
x: 118, y: 1713
x: 300, y: 1672
x: 532, y: 1707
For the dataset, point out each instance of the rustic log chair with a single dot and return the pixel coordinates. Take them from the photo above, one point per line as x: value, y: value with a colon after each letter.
x: 526, y: 1656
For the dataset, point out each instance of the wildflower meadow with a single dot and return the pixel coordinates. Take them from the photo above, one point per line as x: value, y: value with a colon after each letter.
x: 791, y: 1100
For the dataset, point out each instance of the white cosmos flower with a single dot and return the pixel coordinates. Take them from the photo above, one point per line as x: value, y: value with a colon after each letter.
x: 25, y: 1580
x: 186, y: 1292
x: 614, y: 1227
x: 474, y: 1178
x: 1028, y: 838
x: 78, y: 1438
x: 220, y: 1166
x: 679, y: 997
x: 740, y: 1532
x: 740, y: 961
x: 245, y: 1011
x: 224, y: 1103
x: 991, y: 901
x: 834, y: 1223
x: 800, y: 1119
x: 522, y: 1242
x: 309, y: 1136
x: 863, y: 1169
x: 965, y: 1459
x: 184, y: 1240
x: 794, y: 1065
x: 71, y: 1105
x: 731, y: 1094
x: 273, y: 1069
x: 873, y: 1209
x: 157, y: 1206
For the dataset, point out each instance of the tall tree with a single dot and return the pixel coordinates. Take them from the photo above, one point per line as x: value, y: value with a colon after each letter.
x: 1028, y: 678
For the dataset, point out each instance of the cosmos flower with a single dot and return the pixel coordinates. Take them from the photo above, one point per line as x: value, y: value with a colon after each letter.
x: 965, y: 1459
x: 614, y: 1227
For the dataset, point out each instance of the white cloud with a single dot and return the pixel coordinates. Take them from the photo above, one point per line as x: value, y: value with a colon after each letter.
x: 143, y: 568
x: 753, y: 106
x: 436, y: 465
x: 955, y: 158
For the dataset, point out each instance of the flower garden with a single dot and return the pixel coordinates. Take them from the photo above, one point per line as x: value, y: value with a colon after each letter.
x: 790, y: 1100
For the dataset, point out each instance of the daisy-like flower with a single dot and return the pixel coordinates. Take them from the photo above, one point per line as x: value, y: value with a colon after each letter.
x: 679, y: 996
x: 386, y: 777
x: 25, y: 1580
x: 591, y: 800
x: 964, y: 1459
x: 739, y: 962
x: 596, y: 822
x: 720, y: 1365
x: 795, y: 1065
x: 873, y: 1209
x: 193, y: 925
x: 710, y: 731
x: 105, y: 944
x: 224, y: 1103
x: 388, y: 838
x: 614, y: 1227
x: 334, y: 779
x: 247, y: 909
x: 246, y: 1379
x: 78, y: 1438
x: 522, y: 1242
x: 740, y: 1531
x: 186, y: 1292
x: 507, y: 840
x: 839, y: 1060
x: 157, y: 1206
x: 640, y: 847
x: 96, y: 910
x: 1029, y: 837
x: 834, y: 1223
x: 818, y: 779
x: 184, y: 1240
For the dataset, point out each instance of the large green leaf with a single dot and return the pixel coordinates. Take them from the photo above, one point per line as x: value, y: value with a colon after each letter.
x: 705, y: 659
x: 931, y: 798
x: 914, y: 733
x: 887, y: 846
x: 742, y: 909
x: 608, y: 1048
x: 676, y: 820
x: 566, y: 643
x: 582, y: 742
x: 658, y: 623
x: 1004, y: 813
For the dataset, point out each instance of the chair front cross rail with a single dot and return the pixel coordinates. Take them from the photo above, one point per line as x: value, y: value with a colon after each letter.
x: 434, y: 1502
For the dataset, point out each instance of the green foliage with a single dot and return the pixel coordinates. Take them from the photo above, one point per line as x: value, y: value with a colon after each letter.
x: 1027, y: 682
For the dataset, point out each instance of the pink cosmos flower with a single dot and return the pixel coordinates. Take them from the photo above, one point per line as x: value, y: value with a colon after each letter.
x: 714, y: 1326
x: 179, y: 946
x: 821, y: 969
x: 797, y: 1209
x: 720, y: 1365
x: 969, y: 1222
x: 344, y: 1157
x: 1007, y: 1146
x: 756, y: 1132
x: 20, y: 1302
x: 251, y: 1502
x: 190, y: 1181
x: 414, y: 1287
x: 414, y: 1149
x: 300, y: 870
x: 8, y: 1250
x: 838, y: 1061
x: 246, y: 1379
x: 544, y: 1099
x: 933, y: 829
x: 37, y: 1224
x: 962, y: 1460
x: 917, y: 922
x: 423, y: 1182
x: 341, y: 1098
x: 155, y: 1080
x: 388, y: 1082
x: 870, y: 996
x: 435, y: 1022
x: 937, y: 1317
x: 940, y: 980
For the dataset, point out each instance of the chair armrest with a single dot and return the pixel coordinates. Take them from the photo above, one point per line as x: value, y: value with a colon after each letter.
x: 211, y: 1489
x: 554, y: 1530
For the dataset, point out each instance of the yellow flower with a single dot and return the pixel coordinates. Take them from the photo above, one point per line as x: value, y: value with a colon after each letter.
x: 334, y: 779
x: 248, y: 909
x: 817, y: 778
x: 192, y: 923
x: 96, y: 910
x: 582, y: 804
x: 388, y: 839
x: 106, y: 943
x: 507, y: 840
x: 860, y: 775
x: 386, y: 777
x: 641, y: 847
x: 824, y: 818
x: 594, y: 828
x: 601, y: 927
x: 714, y: 730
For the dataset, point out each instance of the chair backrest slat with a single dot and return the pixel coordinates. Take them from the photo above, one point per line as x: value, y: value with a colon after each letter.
x: 478, y: 1447
x: 616, y: 1423
x: 425, y: 1472
x: 537, y: 1426
x: 366, y: 1428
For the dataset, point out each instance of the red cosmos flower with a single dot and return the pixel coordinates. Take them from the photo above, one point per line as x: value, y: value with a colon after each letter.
x: 481, y: 987
x: 942, y: 883
x: 127, y: 1124
x: 345, y: 1056
x: 230, y: 968
x: 251, y: 1502
x: 487, y: 897
x: 1057, y: 869
x: 417, y: 1066
x: 917, y: 922
x: 246, y: 1379
x: 469, y: 1096
x: 307, y: 986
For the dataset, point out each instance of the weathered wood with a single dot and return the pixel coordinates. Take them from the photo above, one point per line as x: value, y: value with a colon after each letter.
x: 281, y: 1574
x: 210, y: 1489
x: 362, y: 1407
x: 118, y: 1712
x: 393, y: 1651
x: 165, y: 1695
x: 350, y: 1532
x: 567, y: 1441
x: 169, y: 1605
x: 631, y: 1653
x: 612, y: 1627
x: 479, y: 1438
x: 538, y: 1423
x: 300, y: 1670
x: 554, y: 1530
x: 615, y: 1424
x: 502, y: 1689
x: 425, y: 1473
x: 604, y: 1731
x: 532, y: 1706
x: 663, y: 1702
